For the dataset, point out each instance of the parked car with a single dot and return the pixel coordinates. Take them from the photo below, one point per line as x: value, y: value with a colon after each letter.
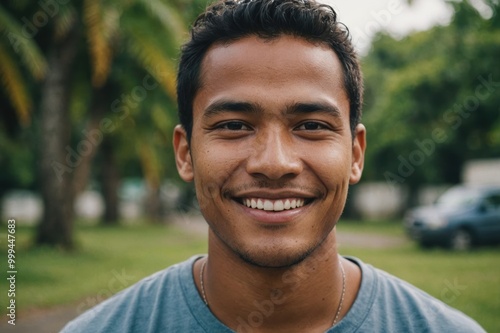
x: 462, y: 217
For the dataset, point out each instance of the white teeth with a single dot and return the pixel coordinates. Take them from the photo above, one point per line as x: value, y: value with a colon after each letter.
x: 260, y: 204
x: 268, y: 205
x: 273, y: 205
x: 287, y: 204
x: 254, y: 203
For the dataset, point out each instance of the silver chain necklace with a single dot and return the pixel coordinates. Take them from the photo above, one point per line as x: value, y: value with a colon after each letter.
x: 342, y: 295
x: 202, y: 284
x: 203, y: 294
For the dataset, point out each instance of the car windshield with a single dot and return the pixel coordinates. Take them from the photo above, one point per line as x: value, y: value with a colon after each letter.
x: 459, y: 197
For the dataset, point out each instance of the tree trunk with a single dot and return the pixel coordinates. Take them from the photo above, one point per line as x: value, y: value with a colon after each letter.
x: 110, y: 181
x: 91, y: 137
x: 55, y: 167
x: 151, y: 170
x: 153, y: 204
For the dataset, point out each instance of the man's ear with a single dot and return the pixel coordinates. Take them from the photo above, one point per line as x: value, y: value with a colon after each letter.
x: 358, y: 154
x: 183, y: 154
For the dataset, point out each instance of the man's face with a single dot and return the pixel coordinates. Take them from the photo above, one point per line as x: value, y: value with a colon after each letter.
x: 271, y: 152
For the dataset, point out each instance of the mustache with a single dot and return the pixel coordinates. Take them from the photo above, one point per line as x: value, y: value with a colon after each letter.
x: 267, y: 185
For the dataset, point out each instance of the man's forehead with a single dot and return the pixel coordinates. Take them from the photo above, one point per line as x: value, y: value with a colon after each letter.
x: 270, y: 41
x: 274, y: 53
x: 287, y: 74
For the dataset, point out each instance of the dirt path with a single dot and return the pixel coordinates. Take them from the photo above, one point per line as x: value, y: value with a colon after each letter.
x: 53, y: 319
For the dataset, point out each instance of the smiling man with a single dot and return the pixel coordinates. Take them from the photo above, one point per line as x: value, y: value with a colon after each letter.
x: 270, y: 95
x: 271, y: 141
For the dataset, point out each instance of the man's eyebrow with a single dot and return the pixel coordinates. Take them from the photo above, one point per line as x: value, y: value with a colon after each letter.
x: 247, y: 107
x: 229, y: 106
x: 310, y: 107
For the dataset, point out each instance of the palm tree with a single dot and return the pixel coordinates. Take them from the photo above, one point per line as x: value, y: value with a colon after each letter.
x: 21, y: 63
x: 147, y: 31
x: 147, y: 50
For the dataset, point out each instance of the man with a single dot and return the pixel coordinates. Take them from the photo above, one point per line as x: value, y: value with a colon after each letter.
x: 269, y: 96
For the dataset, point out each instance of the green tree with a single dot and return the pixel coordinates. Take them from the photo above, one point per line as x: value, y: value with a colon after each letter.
x: 432, y: 100
x: 62, y: 44
x: 22, y: 64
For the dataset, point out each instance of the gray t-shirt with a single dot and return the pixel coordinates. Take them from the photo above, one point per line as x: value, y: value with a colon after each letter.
x: 168, y: 301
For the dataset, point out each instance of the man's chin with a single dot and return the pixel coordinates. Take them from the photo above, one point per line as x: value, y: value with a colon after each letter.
x: 265, y: 259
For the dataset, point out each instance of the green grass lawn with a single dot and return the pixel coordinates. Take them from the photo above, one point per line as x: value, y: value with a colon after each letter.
x: 385, y: 228
x: 467, y: 281
x: 110, y: 259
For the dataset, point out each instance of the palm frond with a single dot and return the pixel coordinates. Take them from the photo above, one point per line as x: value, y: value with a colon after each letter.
x: 24, y: 46
x: 63, y: 22
x: 111, y: 23
x: 100, y: 49
x: 168, y: 17
x: 153, y: 59
x: 15, y: 86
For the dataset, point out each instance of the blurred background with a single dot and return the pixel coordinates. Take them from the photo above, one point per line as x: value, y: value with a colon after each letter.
x: 87, y: 171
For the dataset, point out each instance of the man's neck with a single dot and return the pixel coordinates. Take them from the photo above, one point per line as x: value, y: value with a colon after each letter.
x: 304, y: 297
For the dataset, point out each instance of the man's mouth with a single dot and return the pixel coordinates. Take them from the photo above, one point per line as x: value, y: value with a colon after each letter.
x: 273, y: 205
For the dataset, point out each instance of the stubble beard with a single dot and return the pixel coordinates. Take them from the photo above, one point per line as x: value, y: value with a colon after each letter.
x: 275, y: 257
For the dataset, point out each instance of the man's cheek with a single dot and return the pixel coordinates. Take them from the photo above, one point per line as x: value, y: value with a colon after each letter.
x: 205, y: 192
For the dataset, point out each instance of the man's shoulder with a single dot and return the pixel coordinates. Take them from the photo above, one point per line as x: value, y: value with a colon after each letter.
x: 122, y: 312
x: 403, y: 307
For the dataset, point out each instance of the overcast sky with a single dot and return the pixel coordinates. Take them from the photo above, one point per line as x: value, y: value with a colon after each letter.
x: 364, y: 17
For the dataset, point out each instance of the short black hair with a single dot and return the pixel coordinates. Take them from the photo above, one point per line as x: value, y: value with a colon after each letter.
x: 231, y: 20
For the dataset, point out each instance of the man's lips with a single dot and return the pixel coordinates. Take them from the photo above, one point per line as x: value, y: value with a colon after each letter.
x: 276, y: 205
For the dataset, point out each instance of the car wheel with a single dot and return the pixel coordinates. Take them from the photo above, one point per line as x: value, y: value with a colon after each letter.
x: 461, y: 240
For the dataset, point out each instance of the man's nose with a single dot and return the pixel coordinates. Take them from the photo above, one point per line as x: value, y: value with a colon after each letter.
x: 274, y: 155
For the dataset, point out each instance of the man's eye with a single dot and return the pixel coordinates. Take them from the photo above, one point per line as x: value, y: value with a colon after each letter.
x: 234, y: 126
x: 311, y: 126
